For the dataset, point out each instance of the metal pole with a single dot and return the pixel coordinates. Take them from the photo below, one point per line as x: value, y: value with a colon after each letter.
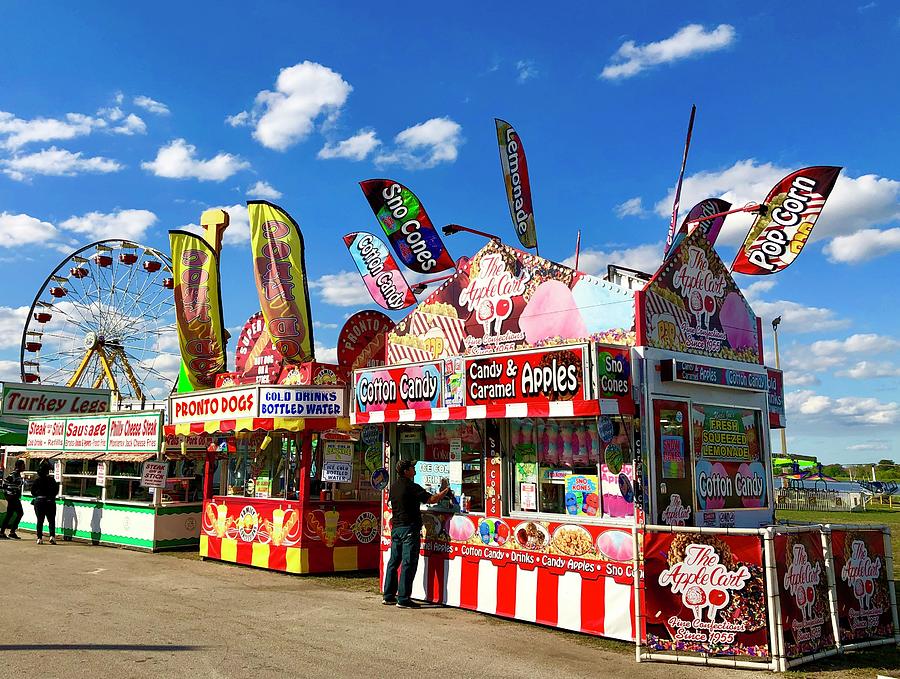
x: 778, y: 366
x: 577, y: 248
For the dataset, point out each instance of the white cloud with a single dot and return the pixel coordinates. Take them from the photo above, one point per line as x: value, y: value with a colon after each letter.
x: 753, y: 290
x: 646, y: 258
x: 847, y: 410
x: 151, y: 105
x: 631, y: 58
x: 357, y: 147
x: 128, y: 224
x: 238, y: 231
x: 863, y: 245
x: 325, y: 354
x: 425, y: 145
x: 855, y: 203
x: 344, y: 288
x: 860, y: 343
x: 131, y: 125
x: 12, y: 322
x: 303, y: 93
x: 22, y: 229
x: 264, y: 190
x: 56, y: 162
x: 865, y: 370
x: 526, y: 70
x: 800, y: 378
x: 633, y: 207
x: 178, y: 161
x: 877, y: 444
x: 241, y: 119
x: 798, y: 318
x: 10, y: 371
x: 19, y: 131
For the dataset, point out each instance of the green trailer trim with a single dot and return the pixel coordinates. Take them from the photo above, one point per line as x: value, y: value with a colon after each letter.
x: 190, y: 508
x: 95, y: 537
x: 177, y: 543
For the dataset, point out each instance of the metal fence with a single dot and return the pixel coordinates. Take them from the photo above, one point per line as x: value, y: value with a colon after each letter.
x: 819, y: 500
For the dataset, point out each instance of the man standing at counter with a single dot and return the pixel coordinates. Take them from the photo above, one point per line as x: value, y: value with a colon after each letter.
x: 406, y: 500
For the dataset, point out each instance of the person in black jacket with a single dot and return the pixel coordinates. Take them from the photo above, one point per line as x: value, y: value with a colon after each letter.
x: 12, y: 486
x: 44, y: 491
x: 406, y: 524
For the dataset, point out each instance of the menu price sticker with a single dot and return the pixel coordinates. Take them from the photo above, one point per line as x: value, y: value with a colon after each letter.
x: 528, y: 495
x: 337, y: 464
x: 154, y: 474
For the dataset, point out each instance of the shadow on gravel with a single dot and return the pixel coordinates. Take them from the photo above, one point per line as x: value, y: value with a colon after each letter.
x: 98, y: 647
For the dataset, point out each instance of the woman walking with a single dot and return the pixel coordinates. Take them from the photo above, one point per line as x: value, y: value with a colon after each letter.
x: 44, y: 491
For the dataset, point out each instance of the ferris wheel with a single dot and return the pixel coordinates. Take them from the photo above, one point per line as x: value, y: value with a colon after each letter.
x: 105, y: 318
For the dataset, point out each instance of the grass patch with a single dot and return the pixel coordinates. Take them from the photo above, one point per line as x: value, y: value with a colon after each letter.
x: 876, y: 515
x: 868, y: 662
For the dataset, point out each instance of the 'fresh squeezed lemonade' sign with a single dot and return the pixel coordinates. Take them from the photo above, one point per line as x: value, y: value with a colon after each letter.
x: 729, y: 473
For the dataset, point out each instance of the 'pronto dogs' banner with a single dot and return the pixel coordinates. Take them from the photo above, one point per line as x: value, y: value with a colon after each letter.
x: 705, y: 594
x: 518, y: 185
x: 379, y: 271
x: 803, y: 591
x: 280, y: 272
x: 776, y: 238
x: 198, y: 310
x: 407, y: 226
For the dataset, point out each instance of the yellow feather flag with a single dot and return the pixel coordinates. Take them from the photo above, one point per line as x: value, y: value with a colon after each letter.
x: 198, y: 311
x: 280, y: 271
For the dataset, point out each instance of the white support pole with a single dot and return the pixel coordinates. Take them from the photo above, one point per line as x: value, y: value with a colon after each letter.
x: 889, y: 571
x: 776, y: 634
x: 832, y: 585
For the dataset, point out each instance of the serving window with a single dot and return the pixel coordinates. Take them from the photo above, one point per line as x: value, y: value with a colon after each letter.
x: 447, y: 453
x: 264, y: 468
x: 572, y: 467
x: 79, y: 479
x: 123, y: 482
x: 343, y: 468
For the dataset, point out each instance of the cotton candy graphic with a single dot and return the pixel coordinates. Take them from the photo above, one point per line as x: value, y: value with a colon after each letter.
x: 564, y: 445
x: 739, y: 326
x: 579, y: 450
x: 552, y: 444
x: 543, y: 440
x: 552, y: 312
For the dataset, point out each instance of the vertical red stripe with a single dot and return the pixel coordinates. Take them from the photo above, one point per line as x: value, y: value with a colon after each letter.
x: 468, y: 584
x: 434, y: 579
x: 547, y: 609
x: 593, y: 605
x: 277, y: 558
x: 321, y: 558
x: 213, y: 547
x: 244, y: 553
x: 506, y: 589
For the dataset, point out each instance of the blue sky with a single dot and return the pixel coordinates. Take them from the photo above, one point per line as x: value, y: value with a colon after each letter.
x: 131, y: 121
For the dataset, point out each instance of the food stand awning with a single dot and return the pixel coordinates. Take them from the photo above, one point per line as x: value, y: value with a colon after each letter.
x: 574, y: 408
x: 70, y: 455
x: 126, y: 457
x: 294, y: 424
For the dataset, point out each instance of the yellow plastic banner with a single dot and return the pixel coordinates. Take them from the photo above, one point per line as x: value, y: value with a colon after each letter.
x: 280, y: 272
x: 198, y: 311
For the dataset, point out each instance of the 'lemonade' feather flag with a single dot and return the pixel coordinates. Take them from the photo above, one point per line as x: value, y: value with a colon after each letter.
x: 670, y: 235
x: 198, y: 311
x: 280, y: 271
x: 379, y: 271
x: 407, y: 226
x: 793, y: 205
x: 518, y: 185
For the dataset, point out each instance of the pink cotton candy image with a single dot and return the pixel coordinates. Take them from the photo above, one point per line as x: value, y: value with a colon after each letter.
x: 739, y: 327
x: 552, y: 312
x: 616, y: 545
